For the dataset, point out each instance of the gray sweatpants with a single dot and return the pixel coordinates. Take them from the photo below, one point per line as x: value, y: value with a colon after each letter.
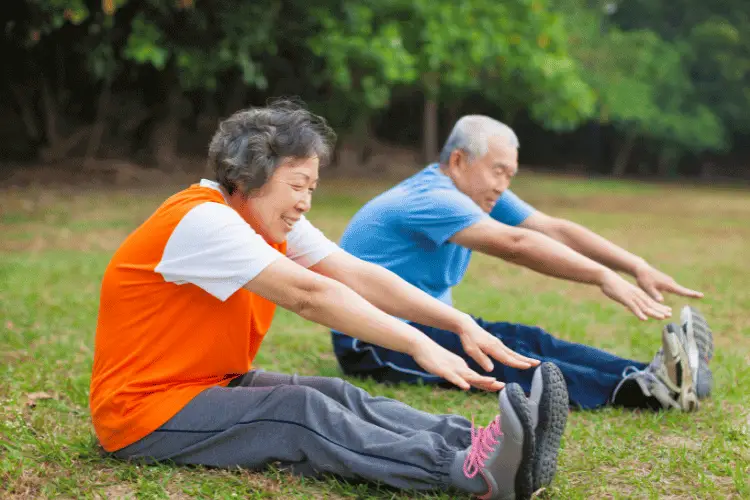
x: 312, y: 425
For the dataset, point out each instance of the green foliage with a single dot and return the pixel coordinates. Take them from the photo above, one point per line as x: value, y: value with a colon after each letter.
x: 642, y: 83
x: 55, y: 13
x: 676, y: 74
x: 460, y: 47
x: 365, y: 57
x: 211, y: 41
x: 715, y: 41
x: 146, y: 44
x: 720, y: 62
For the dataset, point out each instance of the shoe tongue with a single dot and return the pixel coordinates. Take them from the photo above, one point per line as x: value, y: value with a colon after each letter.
x: 657, y: 361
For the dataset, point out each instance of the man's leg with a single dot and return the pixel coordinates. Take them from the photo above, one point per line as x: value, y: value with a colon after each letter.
x: 386, y: 413
x: 302, y: 428
x: 591, y: 374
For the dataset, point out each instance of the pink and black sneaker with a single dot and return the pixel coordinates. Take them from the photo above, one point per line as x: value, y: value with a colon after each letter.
x: 503, y: 452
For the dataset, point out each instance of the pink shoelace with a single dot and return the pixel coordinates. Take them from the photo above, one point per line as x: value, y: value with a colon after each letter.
x: 483, y: 440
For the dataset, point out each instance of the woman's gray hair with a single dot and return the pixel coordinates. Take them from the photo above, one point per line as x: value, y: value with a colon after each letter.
x: 470, y: 134
x: 251, y: 144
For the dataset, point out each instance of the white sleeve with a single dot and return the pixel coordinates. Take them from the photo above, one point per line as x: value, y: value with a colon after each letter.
x: 213, y: 248
x: 307, y: 245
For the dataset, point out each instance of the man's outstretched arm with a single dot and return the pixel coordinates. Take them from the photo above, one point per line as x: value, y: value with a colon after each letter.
x: 391, y: 294
x: 548, y: 256
x: 598, y: 248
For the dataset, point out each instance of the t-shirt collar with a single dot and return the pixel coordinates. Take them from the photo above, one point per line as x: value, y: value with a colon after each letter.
x: 214, y: 185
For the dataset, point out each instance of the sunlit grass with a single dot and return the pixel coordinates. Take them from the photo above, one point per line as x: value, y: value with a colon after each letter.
x: 56, y: 242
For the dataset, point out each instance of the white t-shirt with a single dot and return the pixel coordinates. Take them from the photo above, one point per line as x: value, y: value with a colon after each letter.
x: 214, y: 248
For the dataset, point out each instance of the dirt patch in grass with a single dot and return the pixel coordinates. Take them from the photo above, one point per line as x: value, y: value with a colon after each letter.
x: 121, y: 491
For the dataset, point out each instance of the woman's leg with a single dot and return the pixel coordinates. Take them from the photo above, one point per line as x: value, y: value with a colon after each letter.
x: 384, y: 412
x: 301, y: 427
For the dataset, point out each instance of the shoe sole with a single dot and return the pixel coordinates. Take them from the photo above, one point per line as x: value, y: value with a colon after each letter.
x: 525, y: 475
x: 686, y: 396
x: 697, y: 330
x: 697, y: 327
x: 553, y: 415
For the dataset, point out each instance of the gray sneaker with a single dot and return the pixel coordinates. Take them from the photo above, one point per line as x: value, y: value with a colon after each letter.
x: 548, y: 402
x: 669, y: 377
x: 503, y: 452
x: 700, y: 337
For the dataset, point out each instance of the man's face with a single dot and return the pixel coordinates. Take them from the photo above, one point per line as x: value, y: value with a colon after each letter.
x: 484, y: 179
x: 282, y: 200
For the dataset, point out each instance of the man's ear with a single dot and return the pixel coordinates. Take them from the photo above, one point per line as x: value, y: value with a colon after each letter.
x: 458, y: 160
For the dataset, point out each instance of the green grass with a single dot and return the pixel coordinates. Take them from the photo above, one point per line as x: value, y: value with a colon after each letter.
x: 56, y: 242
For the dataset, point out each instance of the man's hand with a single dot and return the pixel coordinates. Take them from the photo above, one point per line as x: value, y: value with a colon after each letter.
x: 618, y: 289
x: 653, y: 282
x: 443, y: 363
x: 481, y: 345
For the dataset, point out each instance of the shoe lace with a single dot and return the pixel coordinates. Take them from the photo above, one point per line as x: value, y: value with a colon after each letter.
x: 483, y: 440
x: 650, y: 384
x: 631, y: 372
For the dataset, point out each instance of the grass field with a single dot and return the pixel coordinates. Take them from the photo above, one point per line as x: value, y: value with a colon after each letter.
x: 55, y: 244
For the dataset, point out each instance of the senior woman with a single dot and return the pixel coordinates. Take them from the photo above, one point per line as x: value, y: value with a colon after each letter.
x: 188, y: 297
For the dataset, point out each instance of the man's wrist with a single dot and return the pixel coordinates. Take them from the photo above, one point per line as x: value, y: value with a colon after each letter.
x: 602, y: 275
x: 639, y: 265
x: 464, y: 322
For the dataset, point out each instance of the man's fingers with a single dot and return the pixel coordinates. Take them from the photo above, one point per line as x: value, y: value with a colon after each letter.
x: 655, y: 312
x: 456, y: 380
x: 653, y: 309
x: 483, y: 382
x: 653, y: 292
x: 520, y: 357
x: 481, y: 358
x: 685, y: 292
x: 635, y: 308
x: 508, y: 357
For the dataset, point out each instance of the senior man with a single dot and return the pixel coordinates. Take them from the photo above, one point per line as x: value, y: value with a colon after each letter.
x: 425, y: 229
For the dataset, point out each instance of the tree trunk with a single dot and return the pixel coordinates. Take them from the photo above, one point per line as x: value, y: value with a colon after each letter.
x: 667, y: 162
x: 27, y: 114
x: 58, y: 147
x: 63, y: 147
x: 623, y: 156
x: 97, y: 130
x: 356, y: 146
x: 453, y: 109
x: 430, y: 118
x: 165, y: 133
x: 708, y: 170
x: 50, y: 115
x: 62, y: 87
x: 237, y: 97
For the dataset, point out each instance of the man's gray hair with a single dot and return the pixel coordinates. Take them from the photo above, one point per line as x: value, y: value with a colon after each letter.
x: 249, y: 145
x: 470, y: 134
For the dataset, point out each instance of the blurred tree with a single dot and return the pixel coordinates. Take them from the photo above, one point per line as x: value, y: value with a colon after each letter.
x: 714, y: 41
x: 81, y: 72
x: 164, y: 47
x: 449, y: 49
x: 193, y: 49
x: 643, y: 87
x: 37, y: 39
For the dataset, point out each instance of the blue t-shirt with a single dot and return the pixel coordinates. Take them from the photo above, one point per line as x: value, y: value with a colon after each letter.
x: 406, y: 230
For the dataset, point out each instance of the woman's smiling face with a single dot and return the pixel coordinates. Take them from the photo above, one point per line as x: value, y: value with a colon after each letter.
x: 274, y: 209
